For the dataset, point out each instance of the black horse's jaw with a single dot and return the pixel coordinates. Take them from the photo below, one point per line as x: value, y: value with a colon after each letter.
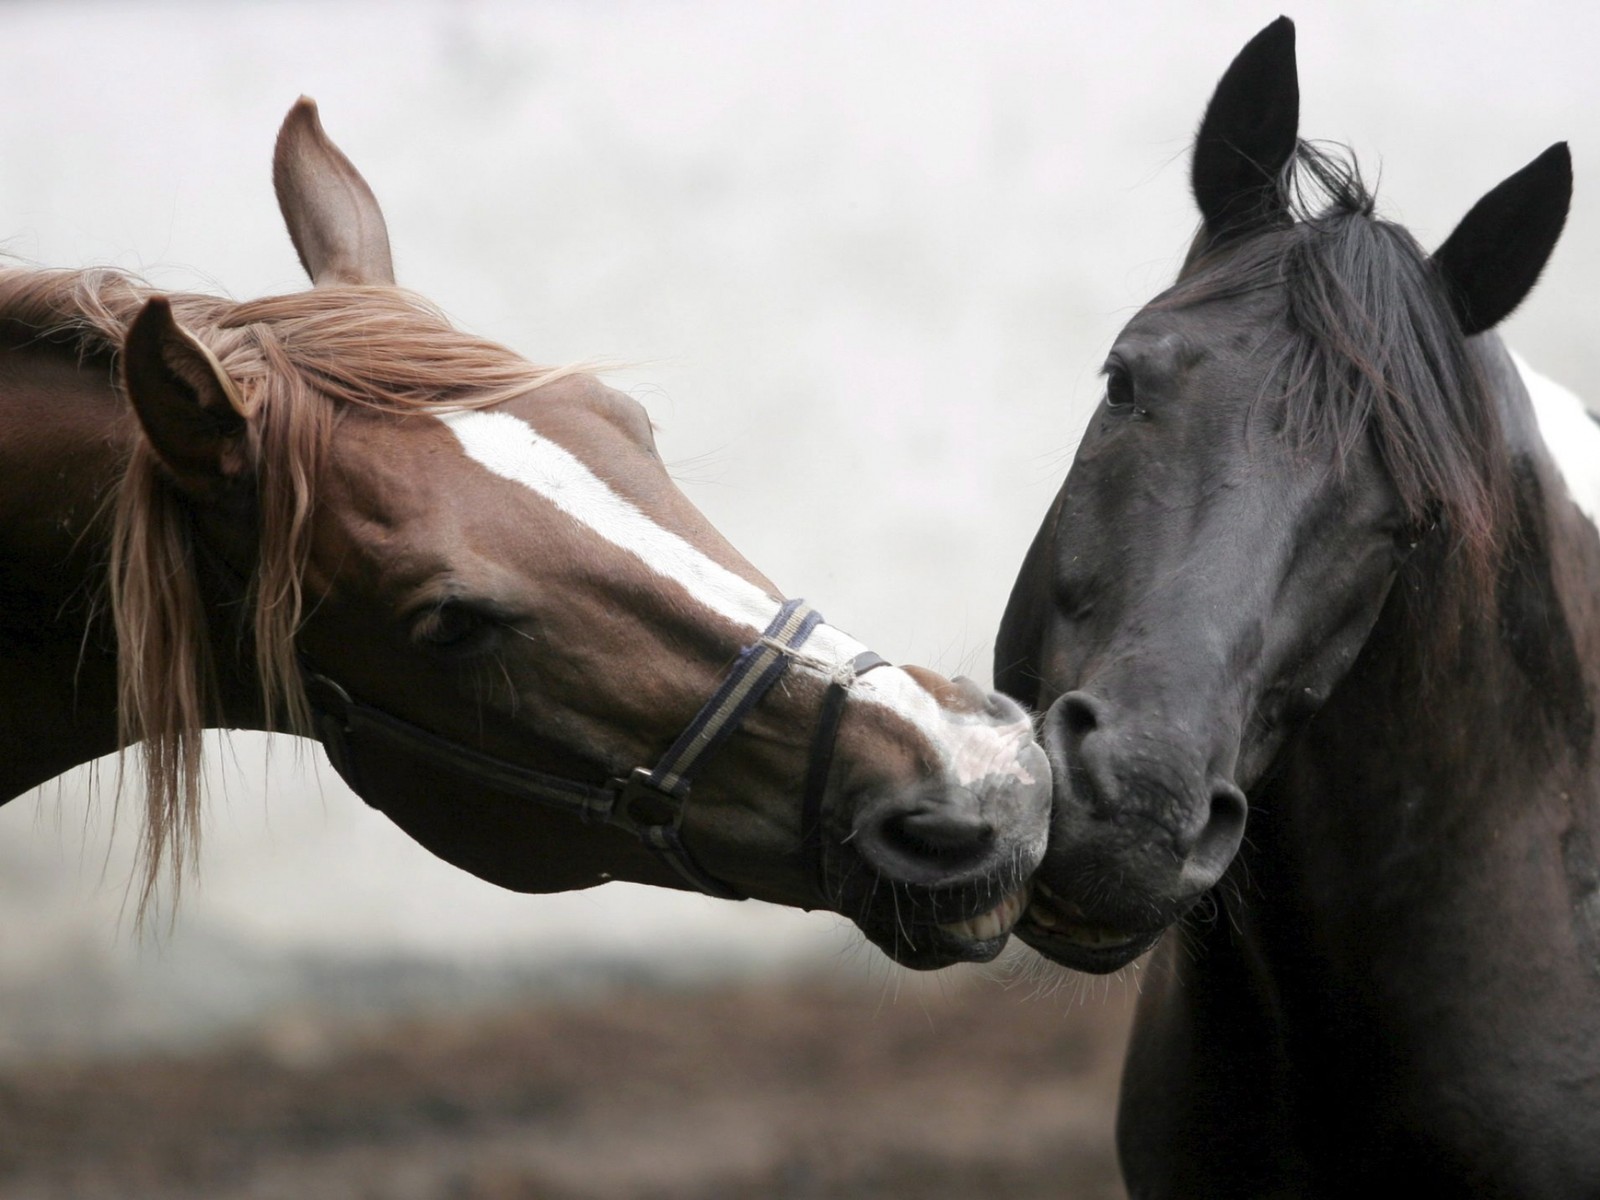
x: 1064, y: 933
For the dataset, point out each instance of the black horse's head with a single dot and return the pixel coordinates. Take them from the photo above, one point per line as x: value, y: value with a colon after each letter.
x: 1283, y: 430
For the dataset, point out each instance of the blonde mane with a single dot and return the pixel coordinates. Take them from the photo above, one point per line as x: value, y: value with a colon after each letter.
x: 295, y: 360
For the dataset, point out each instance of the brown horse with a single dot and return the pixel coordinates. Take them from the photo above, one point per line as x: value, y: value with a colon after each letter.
x: 333, y: 514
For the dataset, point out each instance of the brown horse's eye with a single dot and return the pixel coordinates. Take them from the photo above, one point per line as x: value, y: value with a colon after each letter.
x: 452, y: 625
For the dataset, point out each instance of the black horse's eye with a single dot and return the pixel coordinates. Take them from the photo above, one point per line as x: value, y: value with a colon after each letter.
x: 1119, y: 387
x: 452, y: 625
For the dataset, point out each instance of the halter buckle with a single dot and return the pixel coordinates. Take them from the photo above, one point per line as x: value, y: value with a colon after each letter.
x: 639, y: 804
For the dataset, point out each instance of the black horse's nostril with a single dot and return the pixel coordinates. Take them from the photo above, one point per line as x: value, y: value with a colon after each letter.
x: 1219, y: 838
x: 1080, y: 714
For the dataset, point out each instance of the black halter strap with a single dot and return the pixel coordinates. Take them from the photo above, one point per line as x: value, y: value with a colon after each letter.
x: 649, y: 803
x: 821, y: 763
x: 651, y: 800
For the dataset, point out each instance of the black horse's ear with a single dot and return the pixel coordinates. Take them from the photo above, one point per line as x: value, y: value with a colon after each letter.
x: 1017, y: 644
x: 1494, y: 257
x: 1248, y: 136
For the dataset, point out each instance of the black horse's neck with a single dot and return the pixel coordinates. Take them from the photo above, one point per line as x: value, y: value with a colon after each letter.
x: 1445, y: 736
x: 1398, y: 930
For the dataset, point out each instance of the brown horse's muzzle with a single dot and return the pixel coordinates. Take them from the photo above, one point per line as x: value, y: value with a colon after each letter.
x: 933, y: 866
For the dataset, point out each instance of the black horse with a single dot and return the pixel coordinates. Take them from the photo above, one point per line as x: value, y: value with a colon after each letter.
x: 1315, y: 560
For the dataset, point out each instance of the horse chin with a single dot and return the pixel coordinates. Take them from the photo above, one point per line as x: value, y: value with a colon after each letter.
x: 1065, y: 934
x: 930, y: 946
x: 944, y: 878
x: 1093, y: 950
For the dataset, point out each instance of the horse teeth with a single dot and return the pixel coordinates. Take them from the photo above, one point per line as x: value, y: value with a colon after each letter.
x: 1063, y: 920
x: 1063, y: 908
x: 994, y: 923
x: 1093, y: 936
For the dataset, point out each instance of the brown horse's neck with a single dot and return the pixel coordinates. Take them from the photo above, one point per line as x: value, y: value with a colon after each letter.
x: 65, y: 432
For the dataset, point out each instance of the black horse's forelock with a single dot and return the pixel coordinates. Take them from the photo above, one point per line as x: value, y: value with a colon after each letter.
x: 1374, y: 350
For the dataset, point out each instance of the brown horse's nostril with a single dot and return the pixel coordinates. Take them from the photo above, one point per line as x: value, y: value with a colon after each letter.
x: 925, y: 835
x: 943, y: 829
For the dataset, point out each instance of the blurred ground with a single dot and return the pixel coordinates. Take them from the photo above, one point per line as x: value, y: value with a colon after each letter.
x: 767, y: 1090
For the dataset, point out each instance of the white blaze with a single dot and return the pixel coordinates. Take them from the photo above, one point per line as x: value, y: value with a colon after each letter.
x: 1570, y: 433
x: 972, y: 747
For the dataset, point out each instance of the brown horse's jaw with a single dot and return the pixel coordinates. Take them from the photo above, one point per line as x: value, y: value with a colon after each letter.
x: 994, y: 924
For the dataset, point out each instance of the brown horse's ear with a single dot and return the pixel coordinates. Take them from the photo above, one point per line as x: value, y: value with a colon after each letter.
x: 333, y: 217
x: 1495, y: 255
x: 191, y: 411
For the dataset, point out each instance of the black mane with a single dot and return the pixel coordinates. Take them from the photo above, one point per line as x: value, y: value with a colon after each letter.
x: 1375, y: 350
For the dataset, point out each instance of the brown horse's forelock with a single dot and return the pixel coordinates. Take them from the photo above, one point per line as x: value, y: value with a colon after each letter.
x: 296, y: 360
x: 1374, y: 350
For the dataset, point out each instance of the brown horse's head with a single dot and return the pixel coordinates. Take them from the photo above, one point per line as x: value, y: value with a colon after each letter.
x: 494, y: 556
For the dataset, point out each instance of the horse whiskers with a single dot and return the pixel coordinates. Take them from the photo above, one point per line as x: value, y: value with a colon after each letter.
x: 512, y: 695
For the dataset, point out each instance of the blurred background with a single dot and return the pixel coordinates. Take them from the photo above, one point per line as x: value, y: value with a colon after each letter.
x: 893, y: 238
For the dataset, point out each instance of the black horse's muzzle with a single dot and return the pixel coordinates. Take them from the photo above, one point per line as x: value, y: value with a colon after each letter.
x: 1142, y: 828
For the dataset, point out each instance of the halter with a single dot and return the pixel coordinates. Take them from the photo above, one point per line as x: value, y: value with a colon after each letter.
x: 648, y: 802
